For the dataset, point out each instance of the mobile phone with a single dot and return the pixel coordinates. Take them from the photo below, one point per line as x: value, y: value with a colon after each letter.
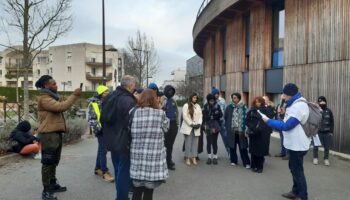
x: 81, y: 86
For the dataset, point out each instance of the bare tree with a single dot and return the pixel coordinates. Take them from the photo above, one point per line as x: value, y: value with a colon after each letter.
x: 40, y: 23
x: 140, y: 53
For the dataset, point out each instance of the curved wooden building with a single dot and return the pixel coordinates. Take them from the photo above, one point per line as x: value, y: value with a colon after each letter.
x: 255, y: 46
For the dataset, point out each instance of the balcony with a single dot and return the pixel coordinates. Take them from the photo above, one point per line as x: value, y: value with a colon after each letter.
x: 93, y: 62
x: 98, y: 77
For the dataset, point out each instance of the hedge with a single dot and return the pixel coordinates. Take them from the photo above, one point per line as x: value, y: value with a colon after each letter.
x: 10, y: 93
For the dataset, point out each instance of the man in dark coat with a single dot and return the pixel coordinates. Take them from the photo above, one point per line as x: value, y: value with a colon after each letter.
x: 326, y: 131
x: 115, y: 121
x: 172, y: 113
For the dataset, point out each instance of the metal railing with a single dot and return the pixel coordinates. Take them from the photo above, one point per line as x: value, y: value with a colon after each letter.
x: 203, y: 6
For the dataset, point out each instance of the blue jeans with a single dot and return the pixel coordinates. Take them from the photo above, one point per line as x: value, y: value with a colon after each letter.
x: 121, y: 163
x: 296, y: 159
x: 284, y: 151
x: 101, y: 160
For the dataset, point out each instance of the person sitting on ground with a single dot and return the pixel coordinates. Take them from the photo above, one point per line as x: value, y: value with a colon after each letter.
x: 26, y: 143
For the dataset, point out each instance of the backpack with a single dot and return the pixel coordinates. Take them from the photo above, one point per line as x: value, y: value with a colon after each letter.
x: 313, y: 123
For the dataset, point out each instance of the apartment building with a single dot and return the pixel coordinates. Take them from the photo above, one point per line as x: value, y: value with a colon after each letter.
x: 70, y: 65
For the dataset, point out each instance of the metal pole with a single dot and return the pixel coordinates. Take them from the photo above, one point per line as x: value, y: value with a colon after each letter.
x: 147, y: 67
x: 103, y: 44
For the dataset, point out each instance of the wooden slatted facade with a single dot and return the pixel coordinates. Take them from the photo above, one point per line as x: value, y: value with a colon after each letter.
x: 316, y: 51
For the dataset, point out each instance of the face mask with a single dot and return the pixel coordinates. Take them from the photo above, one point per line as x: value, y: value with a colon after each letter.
x: 323, y: 106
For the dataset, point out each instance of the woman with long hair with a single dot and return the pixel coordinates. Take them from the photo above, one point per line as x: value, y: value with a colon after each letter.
x: 148, y: 167
x: 192, y: 120
x: 259, y: 134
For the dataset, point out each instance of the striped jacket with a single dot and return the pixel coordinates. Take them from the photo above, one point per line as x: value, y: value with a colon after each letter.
x: 147, y: 151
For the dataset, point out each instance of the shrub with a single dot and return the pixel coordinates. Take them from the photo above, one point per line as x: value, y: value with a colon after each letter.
x: 76, y: 128
x: 5, y: 131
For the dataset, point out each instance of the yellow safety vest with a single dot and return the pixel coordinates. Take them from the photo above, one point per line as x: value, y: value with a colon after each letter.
x: 97, y: 111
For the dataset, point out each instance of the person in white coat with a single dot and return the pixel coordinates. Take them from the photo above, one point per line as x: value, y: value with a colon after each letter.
x: 192, y: 120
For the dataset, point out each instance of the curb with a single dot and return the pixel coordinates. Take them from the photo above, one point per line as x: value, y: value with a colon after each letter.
x: 9, y: 158
x: 342, y: 156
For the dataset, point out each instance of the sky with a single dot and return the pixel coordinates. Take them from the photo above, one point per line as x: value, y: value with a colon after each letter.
x: 168, y: 22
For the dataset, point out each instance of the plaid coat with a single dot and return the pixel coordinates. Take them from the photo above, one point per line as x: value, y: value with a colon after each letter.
x: 147, y: 151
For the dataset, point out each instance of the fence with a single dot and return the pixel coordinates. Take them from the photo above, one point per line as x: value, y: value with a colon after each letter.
x: 13, y: 111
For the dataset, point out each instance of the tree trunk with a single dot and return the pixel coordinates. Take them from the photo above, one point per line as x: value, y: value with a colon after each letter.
x: 26, y: 60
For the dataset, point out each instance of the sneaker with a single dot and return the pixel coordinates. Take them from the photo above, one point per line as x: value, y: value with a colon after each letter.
x: 99, y: 172
x: 315, y: 161
x: 108, y: 177
x: 326, y: 162
x: 209, y: 161
x: 233, y: 164
x: 247, y: 167
x: 188, y: 162
x: 215, y: 161
x: 37, y: 156
x: 289, y: 195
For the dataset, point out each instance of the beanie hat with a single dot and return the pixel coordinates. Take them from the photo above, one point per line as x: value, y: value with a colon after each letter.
x: 42, y: 81
x: 139, y: 90
x: 153, y: 86
x: 24, y: 126
x: 210, y: 97
x: 290, y: 89
x: 169, y: 91
x: 214, y: 91
x: 322, y: 98
x: 101, y: 89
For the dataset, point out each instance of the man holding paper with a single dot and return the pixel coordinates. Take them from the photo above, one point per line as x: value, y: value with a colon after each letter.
x: 295, y: 139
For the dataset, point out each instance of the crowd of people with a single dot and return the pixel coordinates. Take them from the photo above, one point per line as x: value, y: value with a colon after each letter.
x: 139, y: 127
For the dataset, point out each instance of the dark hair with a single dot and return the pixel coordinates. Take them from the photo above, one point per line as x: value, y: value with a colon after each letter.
x: 238, y: 95
x: 190, y: 104
x: 260, y: 99
x: 148, y: 98
x: 42, y: 81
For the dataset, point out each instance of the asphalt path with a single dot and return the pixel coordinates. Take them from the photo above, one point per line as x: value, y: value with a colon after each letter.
x: 21, y: 180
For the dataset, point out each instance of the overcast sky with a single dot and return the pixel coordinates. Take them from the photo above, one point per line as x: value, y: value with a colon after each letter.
x: 168, y: 22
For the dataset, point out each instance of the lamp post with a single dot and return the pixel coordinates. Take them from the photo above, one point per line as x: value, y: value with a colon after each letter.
x: 104, y: 45
x: 145, y: 52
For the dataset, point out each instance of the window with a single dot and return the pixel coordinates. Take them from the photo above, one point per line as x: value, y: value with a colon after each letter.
x: 109, y: 60
x: 38, y: 72
x: 42, y: 60
x: 119, y: 63
x: 278, y: 26
x: 0, y: 72
x: 50, y: 57
x: 69, y: 55
x: 0, y: 60
x: 47, y: 72
x: 93, y: 71
x: 51, y: 70
x: 69, y: 83
x: 93, y: 60
x: 69, y: 68
x: 224, y: 47
x: 247, y: 40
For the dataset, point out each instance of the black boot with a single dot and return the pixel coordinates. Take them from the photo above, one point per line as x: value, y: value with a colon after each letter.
x: 48, y: 195
x: 56, y: 187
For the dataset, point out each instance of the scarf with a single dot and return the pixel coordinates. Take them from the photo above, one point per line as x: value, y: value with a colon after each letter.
x: 51, y: 94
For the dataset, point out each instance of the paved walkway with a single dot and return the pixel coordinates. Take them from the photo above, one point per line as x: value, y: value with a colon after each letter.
x: 21, y: 180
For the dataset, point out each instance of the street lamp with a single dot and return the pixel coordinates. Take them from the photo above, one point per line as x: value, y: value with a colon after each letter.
x: 145, y: 52
x: 104, y: 45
